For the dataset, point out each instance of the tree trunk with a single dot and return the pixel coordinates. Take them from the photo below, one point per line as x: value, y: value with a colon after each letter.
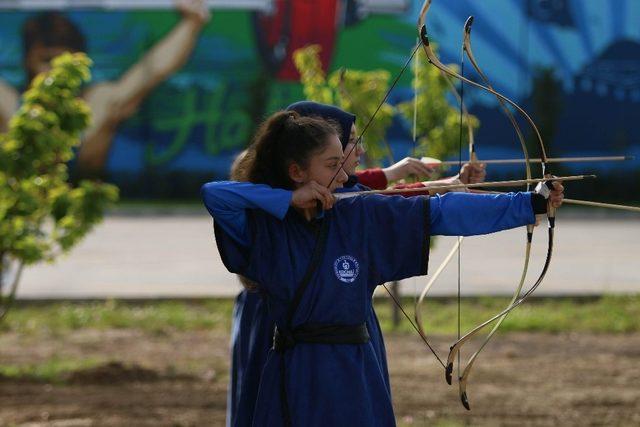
x: 395, y: 290
x: 1, y: 274
x: 8, y: 285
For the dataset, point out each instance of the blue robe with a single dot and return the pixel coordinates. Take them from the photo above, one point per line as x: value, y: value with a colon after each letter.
x: 338, y: 384
x: 251, y: 340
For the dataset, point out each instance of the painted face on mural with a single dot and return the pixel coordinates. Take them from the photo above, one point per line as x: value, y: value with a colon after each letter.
x: 38, y: 59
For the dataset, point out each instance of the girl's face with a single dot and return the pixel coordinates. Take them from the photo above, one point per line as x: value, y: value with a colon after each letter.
x: 323, y: 166
x: 353, y: 160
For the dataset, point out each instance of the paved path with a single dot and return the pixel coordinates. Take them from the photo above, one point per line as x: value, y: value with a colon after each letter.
x: 175, y: 256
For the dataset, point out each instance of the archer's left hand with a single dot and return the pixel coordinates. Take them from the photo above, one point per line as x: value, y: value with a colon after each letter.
x: 553, y: 191
x: 557, y: 194
x: 473, y: 173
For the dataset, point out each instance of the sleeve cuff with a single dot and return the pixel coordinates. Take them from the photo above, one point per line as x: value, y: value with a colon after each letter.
x: 538, y: 204
x: 283, y: 201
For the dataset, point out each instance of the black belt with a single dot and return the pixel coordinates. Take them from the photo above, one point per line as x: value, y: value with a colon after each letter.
x: 320, y: 334
x: 312, y: 334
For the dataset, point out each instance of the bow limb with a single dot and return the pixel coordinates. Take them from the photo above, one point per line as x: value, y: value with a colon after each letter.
x: 503, y: 105
x: 433, y: 59
x: 434, y: 277
x: 463, y: 380
x: 507, y: 310
x: 472, y: 157
x: 421, y: 23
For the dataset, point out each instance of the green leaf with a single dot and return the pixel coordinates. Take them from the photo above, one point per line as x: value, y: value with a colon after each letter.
x: 40, y: 212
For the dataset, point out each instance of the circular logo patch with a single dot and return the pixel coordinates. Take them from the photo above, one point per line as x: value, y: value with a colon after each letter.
x: 346, y: 268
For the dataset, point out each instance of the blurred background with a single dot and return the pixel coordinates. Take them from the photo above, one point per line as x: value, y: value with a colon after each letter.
x: 131, y: 325
x: 572, y: 64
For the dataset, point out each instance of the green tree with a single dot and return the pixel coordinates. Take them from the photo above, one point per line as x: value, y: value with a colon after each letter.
x: 41, y: 215
x: 437, y: 121
x: 360, y: 92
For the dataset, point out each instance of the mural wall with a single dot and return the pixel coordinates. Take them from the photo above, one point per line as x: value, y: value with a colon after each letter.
x: 574, y: 63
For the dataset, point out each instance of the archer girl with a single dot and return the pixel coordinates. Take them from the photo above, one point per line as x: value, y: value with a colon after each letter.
x: 252, y: 328
x: 319, y: 265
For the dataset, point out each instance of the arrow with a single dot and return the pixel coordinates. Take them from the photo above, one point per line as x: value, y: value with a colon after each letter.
x: 512, y: 183
x: 430, y: 161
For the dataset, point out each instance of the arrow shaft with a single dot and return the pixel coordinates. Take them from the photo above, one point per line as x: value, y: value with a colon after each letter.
x: 582, y: 203
x: 601, y: 205
x: 549, y: 160
x: 512, y: 183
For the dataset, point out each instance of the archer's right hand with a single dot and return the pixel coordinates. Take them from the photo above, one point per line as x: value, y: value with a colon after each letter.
x: 307, y: 196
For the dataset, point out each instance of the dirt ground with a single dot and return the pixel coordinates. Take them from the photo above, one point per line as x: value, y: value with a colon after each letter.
x: 180, y: 380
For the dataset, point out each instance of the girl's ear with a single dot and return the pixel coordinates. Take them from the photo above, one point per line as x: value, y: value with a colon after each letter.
x: 296, y: 173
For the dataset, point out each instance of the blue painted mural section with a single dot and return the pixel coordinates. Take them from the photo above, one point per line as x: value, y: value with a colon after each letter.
x: 593, y: 49
x: 198, y: 120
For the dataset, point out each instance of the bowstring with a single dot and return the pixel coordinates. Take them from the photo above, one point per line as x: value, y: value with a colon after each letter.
x: 366, y: 126
x: 459, y: 328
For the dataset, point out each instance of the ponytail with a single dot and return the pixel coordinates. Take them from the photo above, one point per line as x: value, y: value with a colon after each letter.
x: 285, y: 138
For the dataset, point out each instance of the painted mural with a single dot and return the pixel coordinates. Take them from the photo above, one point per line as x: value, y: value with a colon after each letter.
x: 177, y: 93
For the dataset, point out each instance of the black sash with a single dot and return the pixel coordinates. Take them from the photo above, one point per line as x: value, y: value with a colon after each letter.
x: 320, y: 334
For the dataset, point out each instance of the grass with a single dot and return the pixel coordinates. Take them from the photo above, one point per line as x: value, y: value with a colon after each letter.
x: 152, y: 316
x: 434, y: 423
x: 53, y: 370
x: 608, y: 314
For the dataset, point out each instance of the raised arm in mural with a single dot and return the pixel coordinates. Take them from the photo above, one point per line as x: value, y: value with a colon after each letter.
x: 50, y: 33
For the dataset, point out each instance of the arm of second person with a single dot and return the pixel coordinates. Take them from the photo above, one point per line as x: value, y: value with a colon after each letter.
x: 227, y: 202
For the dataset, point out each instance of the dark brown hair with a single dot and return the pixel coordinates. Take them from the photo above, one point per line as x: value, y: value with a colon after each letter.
x: 241, y: 164
x: 284, y: 138
x: 52, y: 29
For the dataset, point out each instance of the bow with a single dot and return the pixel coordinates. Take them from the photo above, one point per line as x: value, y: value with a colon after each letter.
x: 516, y: 299
x: 424, y: 43
x: 433, y: 59
x: 463, y: 379
x: 529, y: 229
x: 472, y: 158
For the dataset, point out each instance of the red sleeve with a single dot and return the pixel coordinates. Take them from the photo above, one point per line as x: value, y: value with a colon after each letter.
x: 413, y: 193
x: 372, y: 178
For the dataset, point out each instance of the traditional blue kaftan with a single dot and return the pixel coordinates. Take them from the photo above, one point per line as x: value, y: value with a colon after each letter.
x: 251, y: 339
x: 371, y: 240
